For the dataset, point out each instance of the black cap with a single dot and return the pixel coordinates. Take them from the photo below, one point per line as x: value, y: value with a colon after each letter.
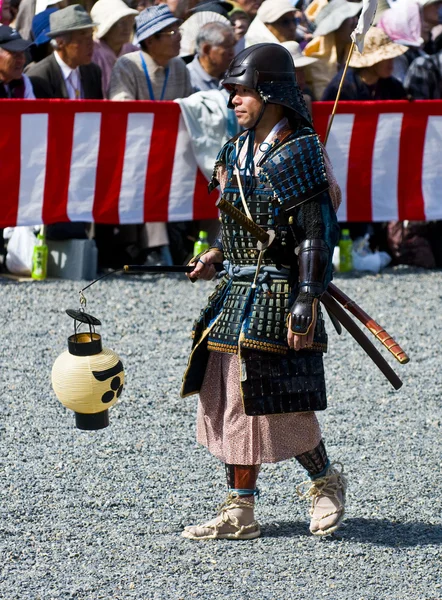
x: 11, y: 40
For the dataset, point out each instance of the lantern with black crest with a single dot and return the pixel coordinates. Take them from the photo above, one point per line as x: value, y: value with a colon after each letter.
x: 87, y: 378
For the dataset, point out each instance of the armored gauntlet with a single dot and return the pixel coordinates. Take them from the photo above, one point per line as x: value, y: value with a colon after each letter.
x: 313, y: 260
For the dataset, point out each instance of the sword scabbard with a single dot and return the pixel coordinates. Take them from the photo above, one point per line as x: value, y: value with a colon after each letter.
x: 377, y: 330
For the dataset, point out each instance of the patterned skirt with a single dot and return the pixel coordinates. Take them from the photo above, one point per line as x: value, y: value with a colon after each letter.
x: 235, y: 438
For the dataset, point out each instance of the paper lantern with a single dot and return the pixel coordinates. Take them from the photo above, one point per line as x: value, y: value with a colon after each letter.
x: 87, y: 378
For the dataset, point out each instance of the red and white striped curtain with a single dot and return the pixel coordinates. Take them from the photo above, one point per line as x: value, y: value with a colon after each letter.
x: 132, y: 162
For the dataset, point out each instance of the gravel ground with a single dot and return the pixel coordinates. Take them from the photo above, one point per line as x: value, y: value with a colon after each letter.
x: 91, y: 515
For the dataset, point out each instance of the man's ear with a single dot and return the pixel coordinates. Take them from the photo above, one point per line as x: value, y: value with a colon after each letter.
x: 206, y: 49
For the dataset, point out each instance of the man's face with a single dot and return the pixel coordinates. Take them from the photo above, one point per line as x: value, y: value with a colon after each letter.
x: 121, y: 32
x: 344, y: 31
x: 284, y: 29
x: 247, y: 103
x: 384, y: 68
x: 165, y: 44
x: 11, y: 65
x: 431, y: 14
x: 78, y: 51
x: 240, y: 24
x: 5, y: 13
x: 221, y: 56
x: 250, y: 6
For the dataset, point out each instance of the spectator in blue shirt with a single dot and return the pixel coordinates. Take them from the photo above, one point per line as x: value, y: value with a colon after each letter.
x: 215, y: 46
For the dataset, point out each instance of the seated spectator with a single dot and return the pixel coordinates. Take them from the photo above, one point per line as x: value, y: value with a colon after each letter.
x: 115, y: 23
x: 240, y: 21
x: 13, y: 83
x: 274, y: 23
x: 248, y: 6
x: 369, y: 76
x: 331, y: 43
x: 41, y: 47
x: 424, y: 77
x: 13, y: 10
x: 154, y: 73
x: 215, y: 46
x: 431, y: 17
x: 68, y: 72
x: 300, y: 62
x: 403, y: 24
x: 191, y: 27
x: 304, y: 28
x: 5, y: 12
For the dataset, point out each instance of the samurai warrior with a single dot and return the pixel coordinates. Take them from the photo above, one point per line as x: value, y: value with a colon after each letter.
x: 256, y: 360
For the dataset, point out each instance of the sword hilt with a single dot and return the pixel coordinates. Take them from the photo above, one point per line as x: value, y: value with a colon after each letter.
x: 258, y: 232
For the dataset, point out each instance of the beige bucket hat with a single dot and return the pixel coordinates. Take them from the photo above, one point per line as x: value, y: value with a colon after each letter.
x: 377, y: 47
x: 106, y: 13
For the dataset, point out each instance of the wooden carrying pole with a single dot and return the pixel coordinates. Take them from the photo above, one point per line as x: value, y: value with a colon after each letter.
x: 332, y: 116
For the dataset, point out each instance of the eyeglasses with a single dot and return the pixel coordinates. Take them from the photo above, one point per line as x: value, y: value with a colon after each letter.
x: 171, y: 33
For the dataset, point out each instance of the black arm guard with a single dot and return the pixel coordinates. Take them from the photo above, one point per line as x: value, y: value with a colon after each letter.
x: 313, y: 262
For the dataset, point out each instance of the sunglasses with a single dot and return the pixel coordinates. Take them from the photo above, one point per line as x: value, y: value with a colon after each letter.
x: 287, y: 22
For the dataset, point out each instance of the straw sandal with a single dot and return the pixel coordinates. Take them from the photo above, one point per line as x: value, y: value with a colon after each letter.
x: 327, y: 495
x: 235, y: 521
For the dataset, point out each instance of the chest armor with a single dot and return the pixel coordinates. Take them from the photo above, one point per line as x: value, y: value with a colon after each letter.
x: 240, y: 245
x: 256, y: 318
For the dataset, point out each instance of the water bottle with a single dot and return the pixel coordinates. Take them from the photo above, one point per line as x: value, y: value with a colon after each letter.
x: 345, y: 252
x: 201, y: 243
x: 40, y: 258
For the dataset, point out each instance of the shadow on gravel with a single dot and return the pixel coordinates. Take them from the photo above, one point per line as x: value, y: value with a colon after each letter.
x: 379, y: 532
x: 382, y: 532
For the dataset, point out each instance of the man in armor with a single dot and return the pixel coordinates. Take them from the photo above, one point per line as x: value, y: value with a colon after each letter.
x: 256, y: 360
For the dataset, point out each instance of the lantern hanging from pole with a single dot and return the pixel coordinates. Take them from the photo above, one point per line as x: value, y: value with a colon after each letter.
x: 87, y: 378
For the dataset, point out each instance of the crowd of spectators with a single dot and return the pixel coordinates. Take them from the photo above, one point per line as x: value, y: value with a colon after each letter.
x: 170, y: 49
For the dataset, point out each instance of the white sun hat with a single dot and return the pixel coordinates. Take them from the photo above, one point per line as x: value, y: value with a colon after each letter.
x: 299, y: 58
x: 107, y: 12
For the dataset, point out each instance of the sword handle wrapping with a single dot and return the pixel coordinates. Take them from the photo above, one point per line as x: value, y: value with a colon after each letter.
x: 377, y: 330
x: 388, y: 342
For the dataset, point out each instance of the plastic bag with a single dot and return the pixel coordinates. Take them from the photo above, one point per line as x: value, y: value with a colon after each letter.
x: 366, y: 260
x: 19, y: 251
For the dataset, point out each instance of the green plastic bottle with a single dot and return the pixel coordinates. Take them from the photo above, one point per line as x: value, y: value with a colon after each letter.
x: 345, y: 252
x: 201, y: 243
x: 40, y: 259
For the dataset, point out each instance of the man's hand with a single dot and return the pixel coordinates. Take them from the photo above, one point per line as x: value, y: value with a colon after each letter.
x: 299, y: 342
x: 204, y: 268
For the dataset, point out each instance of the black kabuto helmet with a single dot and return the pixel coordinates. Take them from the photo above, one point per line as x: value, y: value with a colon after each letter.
x: 268, y: 69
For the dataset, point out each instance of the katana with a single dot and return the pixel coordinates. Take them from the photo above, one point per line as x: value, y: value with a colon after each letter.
x: 329, y: 298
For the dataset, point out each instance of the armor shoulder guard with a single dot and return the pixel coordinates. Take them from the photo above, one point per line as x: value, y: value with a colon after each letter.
x: 296, y: 171
x: 221, y: 161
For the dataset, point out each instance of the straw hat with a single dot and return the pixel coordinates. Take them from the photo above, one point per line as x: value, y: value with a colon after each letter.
x: 298, y: 57
x: 331, y: 17
x: 107, y: 12
x: 377, y: 47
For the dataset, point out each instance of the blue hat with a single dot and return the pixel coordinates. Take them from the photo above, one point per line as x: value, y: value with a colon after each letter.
x: 40, y: 26
x: 154, y: 19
